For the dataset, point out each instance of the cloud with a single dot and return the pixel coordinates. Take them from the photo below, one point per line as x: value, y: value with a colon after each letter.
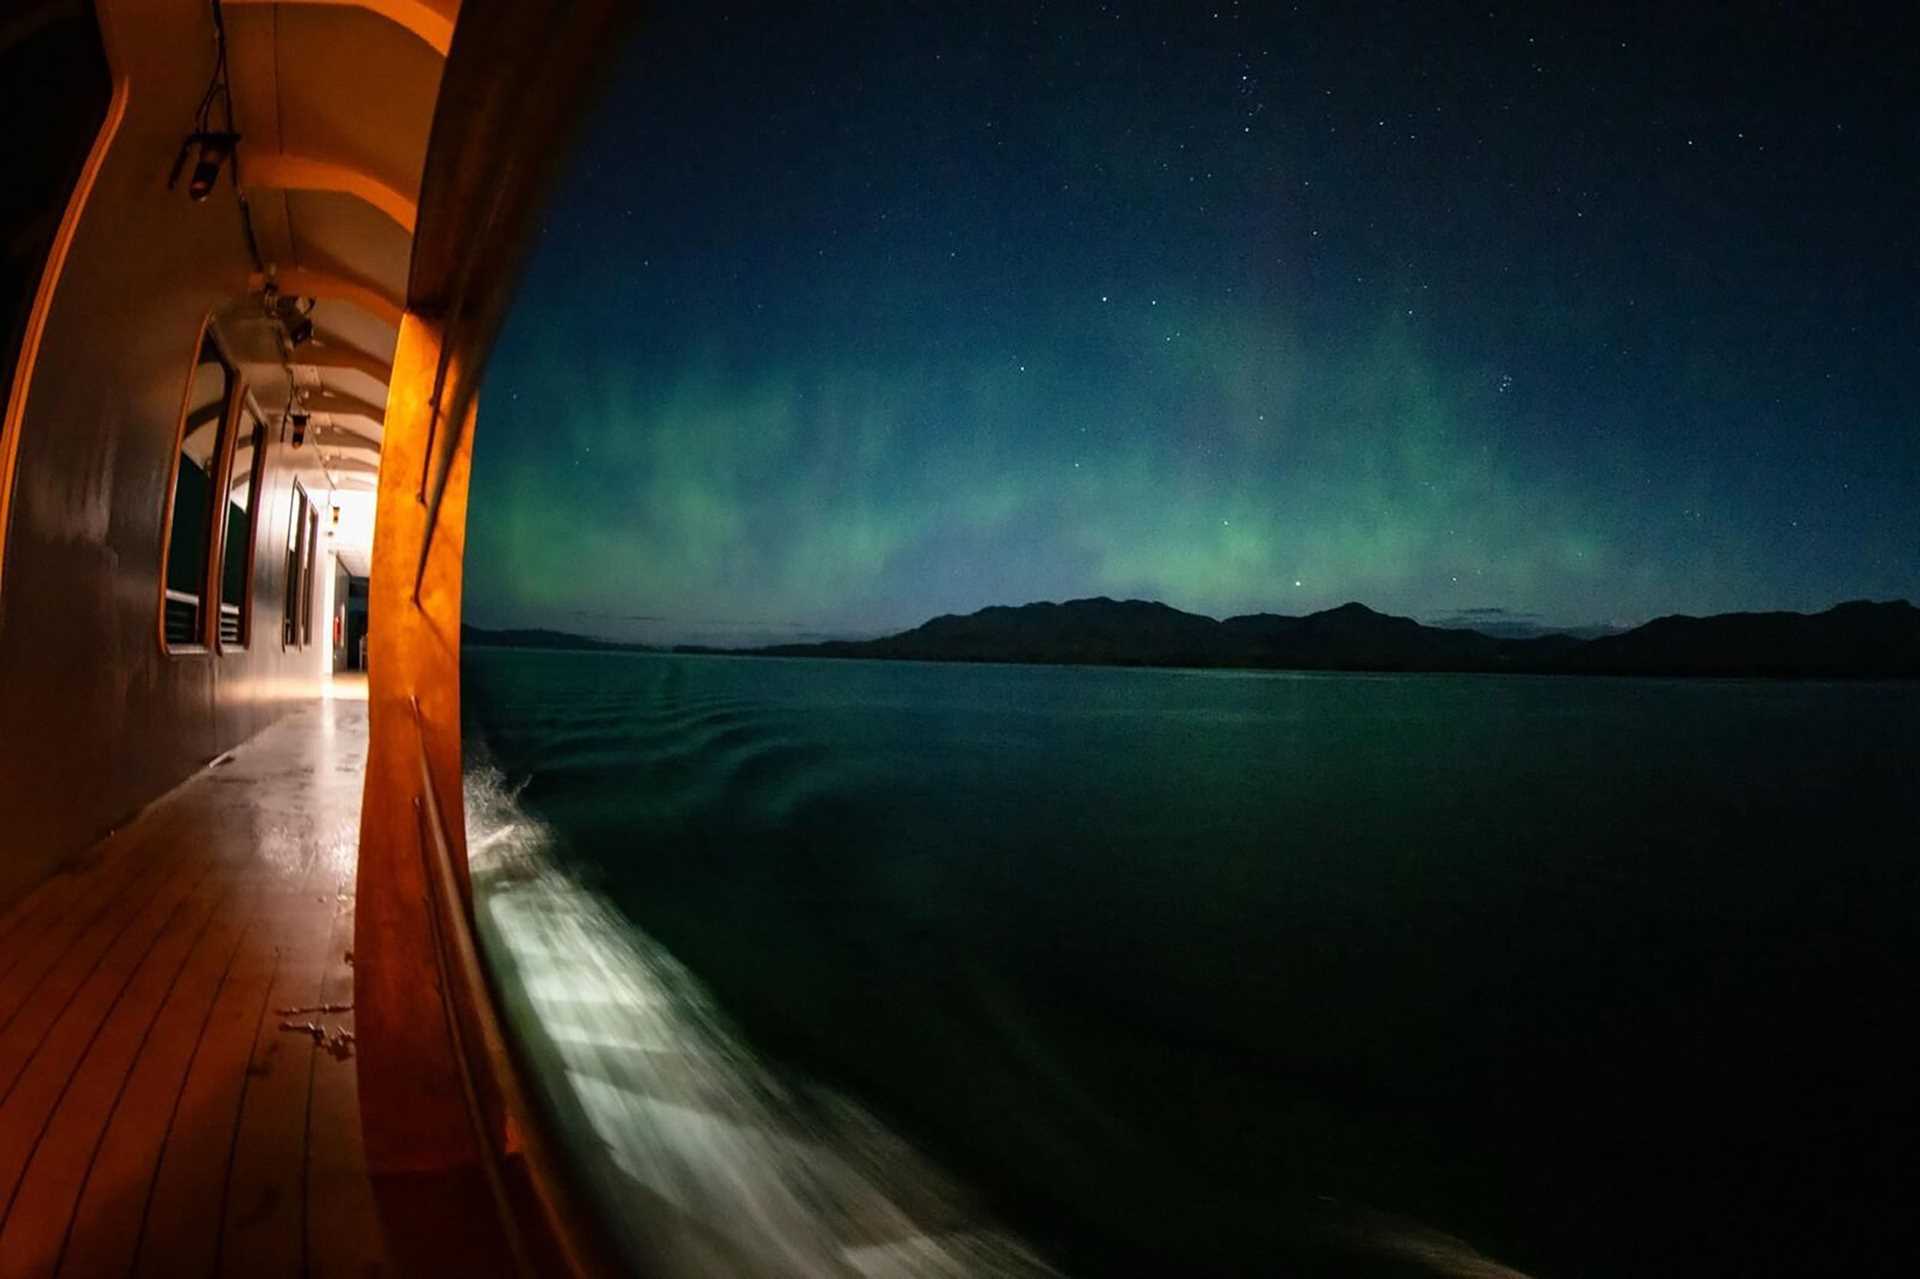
x: 603, y: 616
x: 1494, y: 614
x: 1506, y: 623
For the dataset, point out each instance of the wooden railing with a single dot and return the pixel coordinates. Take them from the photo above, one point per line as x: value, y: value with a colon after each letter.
x: 560, y: 1237
x: 441, y: 1086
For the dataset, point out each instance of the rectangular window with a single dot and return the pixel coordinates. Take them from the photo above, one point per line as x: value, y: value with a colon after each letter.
x: 296, y: 567
x: 303, y: 548
x: 306, y: 598
x: 236, y: 574
x: 190, y: 521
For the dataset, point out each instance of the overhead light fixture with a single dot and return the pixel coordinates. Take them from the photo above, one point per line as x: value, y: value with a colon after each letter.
x: 295, y: 314
x: 215, y: 149
x: 299, y: 418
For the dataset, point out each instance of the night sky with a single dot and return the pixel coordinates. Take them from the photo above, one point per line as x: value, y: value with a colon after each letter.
x: 840, y: 323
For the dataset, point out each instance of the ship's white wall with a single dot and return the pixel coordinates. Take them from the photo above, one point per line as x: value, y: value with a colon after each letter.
x: 95, y: 718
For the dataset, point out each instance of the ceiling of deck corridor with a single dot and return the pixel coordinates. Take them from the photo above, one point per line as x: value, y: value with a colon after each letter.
x: 334, y: 102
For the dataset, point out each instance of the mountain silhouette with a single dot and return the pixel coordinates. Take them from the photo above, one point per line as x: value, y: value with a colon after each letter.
x: 536, y: 637
x: 1857, y: 639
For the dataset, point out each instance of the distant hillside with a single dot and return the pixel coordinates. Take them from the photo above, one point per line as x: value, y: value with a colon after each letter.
x: 1854, y: 639
x: 480, y: 637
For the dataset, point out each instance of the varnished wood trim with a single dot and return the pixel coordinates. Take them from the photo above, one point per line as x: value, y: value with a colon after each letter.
x: 253, y: 423
x: 209, y: 617
x: 433, y: 28
x: 275, y: 170
x: 344, y: 405
x: 16, y: 406
x: 299, y: 281
x: 565, y: 1235
x: 324, y: 354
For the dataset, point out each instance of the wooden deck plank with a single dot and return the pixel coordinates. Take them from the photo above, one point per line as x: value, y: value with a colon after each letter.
x: 34, y: 1221
x: 89, y: 970
x: 45, y: 1075
x: 343, y: 1221
x: 266, y: 1194
x: 180, y: 1230
x: 103, y: 1233
x: 154, y: 1118
x: 47, y: 905
x: 75, y: 884
x: 32, y: 901
x: 38, y: 951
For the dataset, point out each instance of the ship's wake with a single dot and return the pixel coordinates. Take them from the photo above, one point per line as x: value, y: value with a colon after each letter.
x: 704, y: 1161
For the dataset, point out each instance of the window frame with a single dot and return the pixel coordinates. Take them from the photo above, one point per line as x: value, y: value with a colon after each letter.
x: 206, y: 642
x: 311, y: 574
x: 20, y: 368
x: 256, y: 479
x: 293, y: 604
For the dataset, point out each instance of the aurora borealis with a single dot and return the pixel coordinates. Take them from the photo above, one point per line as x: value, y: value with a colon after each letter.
x: 841, y: 323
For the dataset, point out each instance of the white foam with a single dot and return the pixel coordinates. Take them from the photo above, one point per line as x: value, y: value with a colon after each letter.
x: 666, y: 1098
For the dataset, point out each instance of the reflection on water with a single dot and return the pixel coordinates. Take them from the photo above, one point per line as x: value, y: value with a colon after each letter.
x: 704, y: 1161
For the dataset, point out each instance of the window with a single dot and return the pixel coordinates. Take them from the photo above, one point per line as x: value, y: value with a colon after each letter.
x: 306, y: 593
x: 236, y: 573
x: 303, y: 531
x: 190, y: 520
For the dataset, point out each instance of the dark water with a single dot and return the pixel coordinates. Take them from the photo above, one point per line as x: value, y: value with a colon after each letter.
x: 1193, y: 972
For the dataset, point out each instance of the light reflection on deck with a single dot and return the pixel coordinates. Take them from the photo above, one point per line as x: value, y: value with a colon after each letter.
x: 155, y: 1117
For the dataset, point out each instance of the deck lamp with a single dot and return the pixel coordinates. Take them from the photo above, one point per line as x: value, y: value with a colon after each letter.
x: 215, y: 146
x: 215, y: 149
x: 294, y: 314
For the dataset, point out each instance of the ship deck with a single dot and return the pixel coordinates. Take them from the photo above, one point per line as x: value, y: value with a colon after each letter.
x: 178, y: 1093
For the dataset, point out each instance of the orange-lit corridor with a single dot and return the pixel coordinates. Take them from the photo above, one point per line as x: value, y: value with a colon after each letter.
x: 213, y: 390
x: 164, y: 1106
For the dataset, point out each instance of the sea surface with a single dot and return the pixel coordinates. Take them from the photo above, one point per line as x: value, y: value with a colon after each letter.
x: 918, y: 969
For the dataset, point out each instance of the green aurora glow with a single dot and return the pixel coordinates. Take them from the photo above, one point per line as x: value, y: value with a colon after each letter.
x: 793, y: 361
